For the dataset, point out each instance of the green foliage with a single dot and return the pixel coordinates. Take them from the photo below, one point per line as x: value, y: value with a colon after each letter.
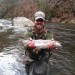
x: 42, y: 4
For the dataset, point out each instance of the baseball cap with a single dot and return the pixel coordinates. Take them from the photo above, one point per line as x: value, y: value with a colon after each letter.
x: 39, y: 14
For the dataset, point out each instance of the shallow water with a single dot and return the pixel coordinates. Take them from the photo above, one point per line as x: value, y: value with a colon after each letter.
x: 12, y: 53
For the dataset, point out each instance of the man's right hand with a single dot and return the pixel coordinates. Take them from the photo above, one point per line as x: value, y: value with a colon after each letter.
x: 31, y: 44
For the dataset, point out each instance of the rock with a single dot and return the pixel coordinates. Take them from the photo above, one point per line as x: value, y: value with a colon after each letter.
x: 22, y: 22
x: 22, y: 25
x: 73, y: 21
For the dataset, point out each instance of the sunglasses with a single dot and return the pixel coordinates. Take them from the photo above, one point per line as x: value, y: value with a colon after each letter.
x: 39, y: 20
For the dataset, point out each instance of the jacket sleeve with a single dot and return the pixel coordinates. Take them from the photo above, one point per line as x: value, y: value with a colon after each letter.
x: 27, y: 35
x: 49, y: 35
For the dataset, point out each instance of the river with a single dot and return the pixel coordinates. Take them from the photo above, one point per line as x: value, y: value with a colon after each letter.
x: 62, y: 61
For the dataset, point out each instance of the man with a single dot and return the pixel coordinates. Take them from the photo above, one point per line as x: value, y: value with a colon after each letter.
x: 38, y: 32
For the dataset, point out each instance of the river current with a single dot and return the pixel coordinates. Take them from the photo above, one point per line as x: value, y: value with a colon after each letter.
x: 12, y: 54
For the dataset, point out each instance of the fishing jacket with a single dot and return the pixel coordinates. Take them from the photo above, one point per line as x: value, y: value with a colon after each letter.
x: 34, y: 35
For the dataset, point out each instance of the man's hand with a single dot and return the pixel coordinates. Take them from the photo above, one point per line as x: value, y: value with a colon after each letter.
x: 31, y: 44
x: 51, y: 46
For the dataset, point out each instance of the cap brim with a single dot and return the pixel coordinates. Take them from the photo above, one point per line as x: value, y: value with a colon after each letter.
x: 39, y: 18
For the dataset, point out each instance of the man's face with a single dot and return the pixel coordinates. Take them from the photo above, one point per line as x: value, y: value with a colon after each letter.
x: 39, y: 26
x: 39, y: 23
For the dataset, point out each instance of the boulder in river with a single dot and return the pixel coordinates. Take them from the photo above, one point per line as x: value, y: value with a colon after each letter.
x: 22, y: 22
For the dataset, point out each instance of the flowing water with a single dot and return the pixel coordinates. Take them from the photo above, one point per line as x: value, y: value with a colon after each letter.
x: 12, y: 53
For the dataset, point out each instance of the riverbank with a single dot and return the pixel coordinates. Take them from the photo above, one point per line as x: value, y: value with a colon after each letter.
x: 59, y: 20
